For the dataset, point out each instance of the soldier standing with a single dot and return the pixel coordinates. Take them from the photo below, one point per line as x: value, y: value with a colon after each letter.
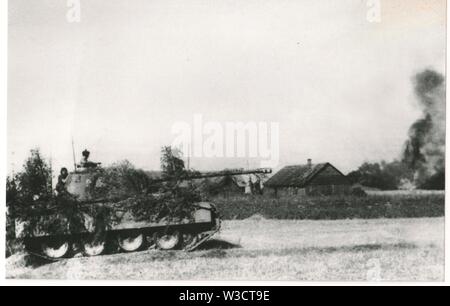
x: 62, y: 178
x: 85, y: 163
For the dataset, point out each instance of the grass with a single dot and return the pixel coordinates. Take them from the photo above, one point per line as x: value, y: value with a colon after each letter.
x: 381, y: 205
x: 260, y: 249
x: 406, y: 192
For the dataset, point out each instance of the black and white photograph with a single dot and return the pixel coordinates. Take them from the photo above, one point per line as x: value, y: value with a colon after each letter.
x: 283, y: 141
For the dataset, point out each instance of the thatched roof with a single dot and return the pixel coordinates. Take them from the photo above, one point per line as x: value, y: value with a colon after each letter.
x: 296, y: 176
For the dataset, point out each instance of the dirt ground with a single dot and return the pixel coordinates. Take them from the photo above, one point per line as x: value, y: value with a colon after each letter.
x: 259, y: 249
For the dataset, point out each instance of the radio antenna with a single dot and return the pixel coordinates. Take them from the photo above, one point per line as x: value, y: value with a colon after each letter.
x: 189, y: 157
x: 51, y: 172
x: 74, y: 161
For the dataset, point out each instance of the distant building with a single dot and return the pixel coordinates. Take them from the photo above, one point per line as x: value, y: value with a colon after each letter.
x: 227, y: 185
x: 154, y: 175
x: 224, y: 186
x: 241, y: 184
x: 309, y: 179
x: 258, y: 182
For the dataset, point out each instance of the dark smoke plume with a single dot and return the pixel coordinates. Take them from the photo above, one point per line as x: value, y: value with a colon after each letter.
x: 425, y: 148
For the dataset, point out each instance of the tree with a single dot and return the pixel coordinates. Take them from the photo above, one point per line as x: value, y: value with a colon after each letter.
x: 172, y: 164
x: 435, y: 182
x: 11, y: 198
x: 385, y: 176
x: 11, y: 190
x: 35, y: 180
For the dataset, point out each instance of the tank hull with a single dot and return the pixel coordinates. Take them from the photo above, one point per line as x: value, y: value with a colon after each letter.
x: 126, y: 235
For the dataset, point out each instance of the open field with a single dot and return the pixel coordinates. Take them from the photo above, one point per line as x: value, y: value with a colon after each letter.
x: 406, y: 192
x: 260, y: 249
x: 382, y: 205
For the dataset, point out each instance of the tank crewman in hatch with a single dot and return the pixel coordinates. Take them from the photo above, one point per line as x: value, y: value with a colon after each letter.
x: 62, y: 179
x: 85, y: 163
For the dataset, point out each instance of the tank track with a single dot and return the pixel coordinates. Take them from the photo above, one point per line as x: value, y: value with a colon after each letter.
x: 42, y: 256
x: 205, y: 236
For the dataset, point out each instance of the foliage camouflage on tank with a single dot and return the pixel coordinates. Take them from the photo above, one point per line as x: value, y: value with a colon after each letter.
x: 119, y: 207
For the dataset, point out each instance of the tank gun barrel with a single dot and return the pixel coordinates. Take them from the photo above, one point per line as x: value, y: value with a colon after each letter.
x: 211, y: 174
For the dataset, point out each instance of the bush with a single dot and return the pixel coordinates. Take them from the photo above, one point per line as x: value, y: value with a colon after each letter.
x: 358, y: 192
x: 332, y: 208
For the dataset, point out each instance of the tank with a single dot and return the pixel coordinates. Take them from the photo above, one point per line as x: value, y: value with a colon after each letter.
x: 130, y: 234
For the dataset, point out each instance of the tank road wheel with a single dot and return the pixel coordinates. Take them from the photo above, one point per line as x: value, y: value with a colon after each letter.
x: 189, y: 240
x: 130, y: 241
x: 168, y: 241
x: 55, y: 248
x: 93, y: 246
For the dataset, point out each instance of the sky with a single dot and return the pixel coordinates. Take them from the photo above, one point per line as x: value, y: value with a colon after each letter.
x: 340, y: 87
